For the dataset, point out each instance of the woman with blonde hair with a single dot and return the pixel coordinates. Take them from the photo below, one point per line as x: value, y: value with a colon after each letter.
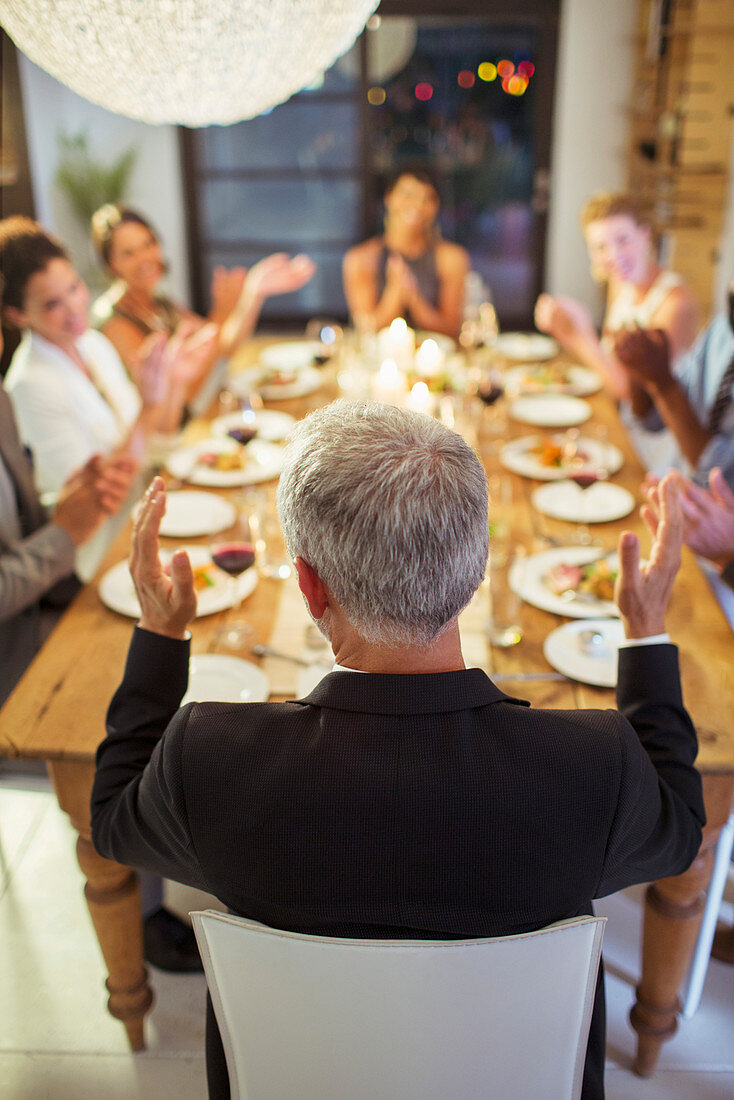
x: 639, y: 292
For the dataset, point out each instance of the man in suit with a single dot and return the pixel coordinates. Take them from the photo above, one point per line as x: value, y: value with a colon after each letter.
x: 406, y: 796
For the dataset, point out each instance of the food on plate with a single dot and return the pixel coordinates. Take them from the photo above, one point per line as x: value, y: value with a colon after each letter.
x: 440, y: 382
x: 203, y: 577
x: 596, y: 579
x: 546, y: 376
x: 223, y: 461
x: 275, y: 377
x: 558, y: 453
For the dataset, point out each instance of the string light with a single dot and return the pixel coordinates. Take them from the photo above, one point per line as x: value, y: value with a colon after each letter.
x: 423, y: 91
x: 487, y: 71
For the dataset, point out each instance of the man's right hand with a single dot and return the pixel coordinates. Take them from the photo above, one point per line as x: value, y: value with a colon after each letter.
x: 642, y: 591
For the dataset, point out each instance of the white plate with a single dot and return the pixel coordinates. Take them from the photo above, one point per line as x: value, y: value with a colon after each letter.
x: 526, y: 346
x: 264, y: 461
x: 580, y: 381
x: 291, y: 355
x: 563, y: 651
x: 307, y: 381
x: 271, y: 426
x: 309, y: 677
x: 117, y: 592
x: 189, y: 514
x: 600, y: 503
x: 527, y: 579
x: 549, y: 410
x: 518, y: 457
x: 214, y: 677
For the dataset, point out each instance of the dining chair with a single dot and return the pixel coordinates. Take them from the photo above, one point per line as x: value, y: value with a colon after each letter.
x: 327, y: 1019
x: 702, y: 951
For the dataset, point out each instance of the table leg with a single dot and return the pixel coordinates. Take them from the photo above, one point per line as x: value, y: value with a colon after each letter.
x: 673, y: 913
x: 113, y: 899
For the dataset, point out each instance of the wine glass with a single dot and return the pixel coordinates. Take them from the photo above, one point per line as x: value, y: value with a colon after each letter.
x: 235, y: 556
x: 328, y: 334
x: 490, y: 389
x: 585, y: 468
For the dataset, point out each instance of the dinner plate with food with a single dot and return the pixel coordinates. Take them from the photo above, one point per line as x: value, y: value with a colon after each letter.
x: 277, y: 383
x: 265, y: 424
x: 550, y: 410
x: 594, y: 502
x: 552, y: 458
x: 586, y: 650
x: 575, y: 581
x: 221, y: 463
x: 214, y: 588
x: 526, y: 347
x: 552, y: 378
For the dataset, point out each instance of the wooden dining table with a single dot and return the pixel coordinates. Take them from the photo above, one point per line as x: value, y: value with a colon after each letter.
x: 57, y: 714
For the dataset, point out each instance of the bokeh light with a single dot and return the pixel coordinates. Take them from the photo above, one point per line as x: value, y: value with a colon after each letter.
x: 526, y: 69
x: 423, y: 91
x: 516, y: 85
x: 505, y: 68
x: 465, y: 79
x: 487, y: 71
x: 376, y: 96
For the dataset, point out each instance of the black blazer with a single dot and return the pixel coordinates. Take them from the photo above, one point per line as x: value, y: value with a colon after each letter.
x: 400, y: 806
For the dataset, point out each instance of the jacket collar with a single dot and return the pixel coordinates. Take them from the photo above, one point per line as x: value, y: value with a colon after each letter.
x: 378, y: 693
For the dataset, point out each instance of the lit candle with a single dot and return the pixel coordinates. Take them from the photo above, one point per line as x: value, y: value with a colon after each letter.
x: 390, y: 383
x: 429, y: 359
x: 398, y: 342
x: 420, y: 398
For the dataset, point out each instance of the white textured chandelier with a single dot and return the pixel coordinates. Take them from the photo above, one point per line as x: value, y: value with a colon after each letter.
x: 194, y: 62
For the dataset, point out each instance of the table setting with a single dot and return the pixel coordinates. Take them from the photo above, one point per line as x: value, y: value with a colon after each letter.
x: 556, y: 646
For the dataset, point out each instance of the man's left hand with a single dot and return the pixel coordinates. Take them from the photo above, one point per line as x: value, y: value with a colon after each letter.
x: 167, y: 601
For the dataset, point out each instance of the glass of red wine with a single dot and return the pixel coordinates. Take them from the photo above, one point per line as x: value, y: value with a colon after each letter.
x: 586, y: 468
x: 235, y: 557
x: 490, y: 390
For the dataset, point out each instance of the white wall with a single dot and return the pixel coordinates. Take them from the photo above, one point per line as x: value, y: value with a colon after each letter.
x: 593, y: 83
x: 155, y: 187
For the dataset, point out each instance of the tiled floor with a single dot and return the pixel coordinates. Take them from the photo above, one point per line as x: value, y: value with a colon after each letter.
x: 57, y: 1042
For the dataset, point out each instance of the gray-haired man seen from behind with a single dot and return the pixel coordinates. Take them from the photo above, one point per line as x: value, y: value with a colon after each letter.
x: 406, y: 796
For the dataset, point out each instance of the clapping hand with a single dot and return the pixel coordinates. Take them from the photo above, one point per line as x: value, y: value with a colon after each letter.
x: 709, y: 515
x: 189, y: 352
x: 167, y: 599
x: 92, y: 493
x: 278, y: 274
x: 563, y: 318
x: 642, y: 591
x: 645, y: 354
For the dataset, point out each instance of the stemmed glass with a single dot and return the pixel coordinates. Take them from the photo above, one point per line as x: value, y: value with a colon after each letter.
x: 585, y: 470
x: 328, y: 334
x: 235, y: 557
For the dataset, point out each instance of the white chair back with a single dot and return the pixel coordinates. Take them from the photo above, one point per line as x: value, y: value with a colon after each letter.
x: 315, y: 1018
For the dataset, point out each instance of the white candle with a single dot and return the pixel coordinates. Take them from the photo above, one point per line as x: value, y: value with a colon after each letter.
x: 420, y: 398
x: 429, y: 359
x: 398, y: 342
x: 390, y: 383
